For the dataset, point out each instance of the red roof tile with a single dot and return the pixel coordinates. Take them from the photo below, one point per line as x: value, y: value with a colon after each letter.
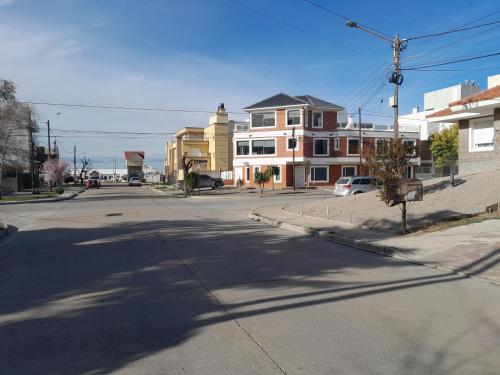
x: 128, y: 154
x: 492, y: 93
x: 443, y: 112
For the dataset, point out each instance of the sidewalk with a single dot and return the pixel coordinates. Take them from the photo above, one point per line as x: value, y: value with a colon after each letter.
x: 69, y: 193
x: 472, y: 250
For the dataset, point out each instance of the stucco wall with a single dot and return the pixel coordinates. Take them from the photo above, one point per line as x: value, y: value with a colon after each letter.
x: 473, y: 162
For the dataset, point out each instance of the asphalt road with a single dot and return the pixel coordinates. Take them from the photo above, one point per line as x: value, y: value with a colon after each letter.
x: 124, y: 280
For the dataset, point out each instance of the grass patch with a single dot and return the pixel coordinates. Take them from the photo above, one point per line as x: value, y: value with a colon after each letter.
x: 458, y: 221
x: 20, y: 198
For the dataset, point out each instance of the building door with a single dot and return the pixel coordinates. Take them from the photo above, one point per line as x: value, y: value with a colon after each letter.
x: 238, y: 174
x: 300, y: 176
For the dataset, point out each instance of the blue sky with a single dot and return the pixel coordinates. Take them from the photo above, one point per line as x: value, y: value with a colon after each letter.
x: 195, y: 54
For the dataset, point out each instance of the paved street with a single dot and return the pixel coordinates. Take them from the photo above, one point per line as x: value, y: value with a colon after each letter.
x: 125, y: 280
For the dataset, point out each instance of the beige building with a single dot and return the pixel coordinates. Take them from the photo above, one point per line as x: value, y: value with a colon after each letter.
x: 210, y: 148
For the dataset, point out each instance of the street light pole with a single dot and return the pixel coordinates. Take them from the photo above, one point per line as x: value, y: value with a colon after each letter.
x: 294, y: 144
x: 48, y: 136
x: 395, y: 77
x: 360, y: 141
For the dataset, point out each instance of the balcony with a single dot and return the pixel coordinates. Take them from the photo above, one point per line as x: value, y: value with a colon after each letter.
x: 241, y: 127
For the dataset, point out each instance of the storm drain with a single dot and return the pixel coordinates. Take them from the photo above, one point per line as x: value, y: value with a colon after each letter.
x: 115, y: 214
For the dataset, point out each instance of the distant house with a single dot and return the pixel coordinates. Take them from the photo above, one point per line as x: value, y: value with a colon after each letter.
x: 478, y: 116
x: 331, y: 148
x: 210, y: 148
x: 134, y: 161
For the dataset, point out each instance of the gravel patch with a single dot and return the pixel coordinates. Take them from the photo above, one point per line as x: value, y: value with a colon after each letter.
x: 472, y: 195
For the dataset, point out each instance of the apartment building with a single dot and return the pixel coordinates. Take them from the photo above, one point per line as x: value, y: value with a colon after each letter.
x: 210, y: 149
x: 326, y: 148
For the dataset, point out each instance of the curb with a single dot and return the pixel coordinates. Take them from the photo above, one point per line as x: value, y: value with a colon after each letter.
x: 360, y: 245
x: 45, y: 200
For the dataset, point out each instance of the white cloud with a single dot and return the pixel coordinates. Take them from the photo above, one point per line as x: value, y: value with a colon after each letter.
x: 61, y: 66
x: 4, y: 3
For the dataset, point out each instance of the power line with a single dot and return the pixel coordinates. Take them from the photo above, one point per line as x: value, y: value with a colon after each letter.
x: 121, y: 107
x: 335, y: 13
x: 452, y: 61
x: 447, y: 45
x: 305, y: 31
x: 453, y: 31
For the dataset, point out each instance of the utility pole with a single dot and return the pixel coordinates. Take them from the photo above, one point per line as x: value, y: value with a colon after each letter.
x: 360, y: 141
x: 74, y: 164
x: 395, y: 76
x: 48, y: 136
x: 397, y: 79
x: 32, y: 156
x: 294, y: 144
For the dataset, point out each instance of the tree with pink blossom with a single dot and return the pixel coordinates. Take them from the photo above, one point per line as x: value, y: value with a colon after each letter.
x: 54, y: 170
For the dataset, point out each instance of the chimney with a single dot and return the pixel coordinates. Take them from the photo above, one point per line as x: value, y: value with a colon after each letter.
x: 221, y: 108
x: 415, y: 110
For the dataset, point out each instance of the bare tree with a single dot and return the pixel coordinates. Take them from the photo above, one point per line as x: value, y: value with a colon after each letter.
x: 85, y: 162
x: 16, y: 129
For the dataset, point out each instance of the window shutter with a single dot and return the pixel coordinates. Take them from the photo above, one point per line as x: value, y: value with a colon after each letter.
x: 483, y: 133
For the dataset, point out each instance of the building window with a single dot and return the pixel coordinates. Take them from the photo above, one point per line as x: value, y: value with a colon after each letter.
x: 263, y: 120
x: 319, y: 174
x: 293, y: 117
x: 248, y: 174
x: 292, y: 143
x: 353, y: 147
x: 348, y: 171
x: 263, y: 147
x: 255, y: 171
x: 336, y: 144
x: 277, y: 177
x: 410, y: 146
x: 317, y: 120
x: 382, y: 146
x: 321, y: 147
x: 481, y: 135
x: 242, y: 147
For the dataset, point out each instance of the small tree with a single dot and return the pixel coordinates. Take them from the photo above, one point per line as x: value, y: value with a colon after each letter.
x: 386, y: 164
x: 444, y: 148
x: 186, y: 166
x: 272, y: 170
x: 54, y: 170
x: 190, y: 182
x: 261, y: 178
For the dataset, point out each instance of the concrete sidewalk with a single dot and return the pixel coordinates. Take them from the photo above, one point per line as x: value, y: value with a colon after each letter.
x: 472, y: 250
x: 69, y: 193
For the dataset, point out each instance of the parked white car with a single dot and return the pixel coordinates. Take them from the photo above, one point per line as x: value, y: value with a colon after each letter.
x: 353, y: 185
x: 134, y: 181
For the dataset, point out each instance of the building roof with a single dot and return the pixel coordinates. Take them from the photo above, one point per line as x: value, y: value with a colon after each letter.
x: 129, y: 154
x: 491, y: 93
x: 316, y: 102
x: 283, y: 100
x: 443, y: 112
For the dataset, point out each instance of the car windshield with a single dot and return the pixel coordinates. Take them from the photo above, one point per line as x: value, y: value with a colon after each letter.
x: 342, y: 181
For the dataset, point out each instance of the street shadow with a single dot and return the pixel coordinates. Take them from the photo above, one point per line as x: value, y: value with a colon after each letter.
x: 95, y: 299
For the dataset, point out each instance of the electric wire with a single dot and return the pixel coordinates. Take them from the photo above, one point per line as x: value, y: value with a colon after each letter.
x: 452, y: 31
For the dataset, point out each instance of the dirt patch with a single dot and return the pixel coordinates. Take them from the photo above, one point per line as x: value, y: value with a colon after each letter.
x: 457, y: 221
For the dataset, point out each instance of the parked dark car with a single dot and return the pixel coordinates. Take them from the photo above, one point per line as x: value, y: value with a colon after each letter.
x: 93, y: 182
x: 205, y: 181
